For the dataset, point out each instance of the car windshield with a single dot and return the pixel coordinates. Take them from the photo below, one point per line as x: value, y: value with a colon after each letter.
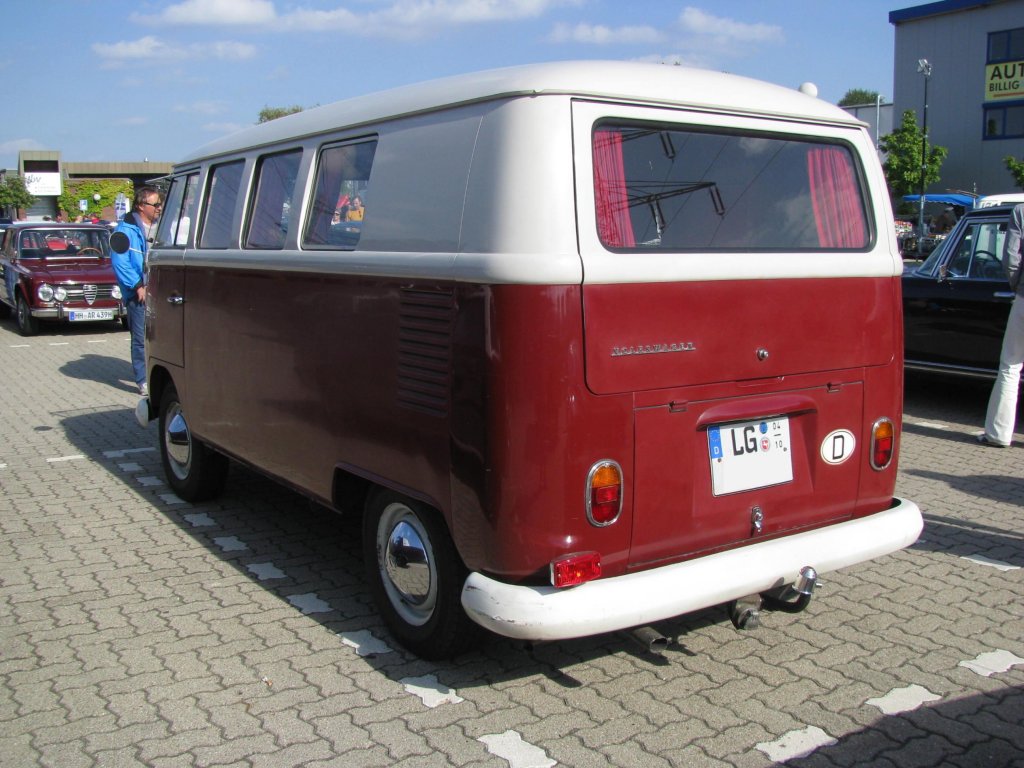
x: 63, y: 243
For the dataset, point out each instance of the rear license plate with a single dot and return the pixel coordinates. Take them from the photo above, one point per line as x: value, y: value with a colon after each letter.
x: 78, y: 315
x: 749, y: 454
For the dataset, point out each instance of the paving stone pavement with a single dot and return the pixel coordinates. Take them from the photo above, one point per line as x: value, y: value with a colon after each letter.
x: 136, y: 629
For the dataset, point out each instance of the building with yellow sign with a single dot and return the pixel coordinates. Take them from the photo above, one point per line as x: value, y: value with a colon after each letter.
x: 969, y: 59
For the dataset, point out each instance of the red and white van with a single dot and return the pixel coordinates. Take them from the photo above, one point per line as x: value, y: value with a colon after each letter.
x: 606, y: 342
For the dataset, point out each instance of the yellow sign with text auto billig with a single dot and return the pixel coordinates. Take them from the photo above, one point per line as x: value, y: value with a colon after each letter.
x: 1004, y: 81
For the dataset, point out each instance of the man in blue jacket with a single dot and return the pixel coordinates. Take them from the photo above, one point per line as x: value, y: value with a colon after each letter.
x: 139, y: 225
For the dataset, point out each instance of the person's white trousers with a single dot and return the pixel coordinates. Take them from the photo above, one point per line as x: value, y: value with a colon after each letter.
x: 1002, y: 405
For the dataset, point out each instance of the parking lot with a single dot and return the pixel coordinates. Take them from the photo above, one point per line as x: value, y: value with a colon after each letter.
x: 136, y: 629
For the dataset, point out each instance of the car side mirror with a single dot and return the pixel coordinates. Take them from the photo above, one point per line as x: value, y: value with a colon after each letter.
x: 943, y: 272
x: 119, y: 242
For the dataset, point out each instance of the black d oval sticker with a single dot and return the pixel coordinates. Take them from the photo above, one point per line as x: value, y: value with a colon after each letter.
x: 838, y: 446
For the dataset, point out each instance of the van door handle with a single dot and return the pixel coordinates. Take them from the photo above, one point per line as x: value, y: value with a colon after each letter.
x: 176, y: 299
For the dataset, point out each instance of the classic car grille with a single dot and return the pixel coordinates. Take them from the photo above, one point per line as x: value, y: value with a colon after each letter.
x: 88, y: 292
x: 425, y: 350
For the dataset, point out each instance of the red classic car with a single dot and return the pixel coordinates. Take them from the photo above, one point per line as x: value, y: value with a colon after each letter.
x: 55, y: 271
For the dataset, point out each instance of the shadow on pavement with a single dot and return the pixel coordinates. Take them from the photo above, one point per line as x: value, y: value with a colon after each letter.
x: 103, y: 369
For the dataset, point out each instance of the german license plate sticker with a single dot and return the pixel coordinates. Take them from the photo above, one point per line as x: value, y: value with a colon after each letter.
x: 750, y: 454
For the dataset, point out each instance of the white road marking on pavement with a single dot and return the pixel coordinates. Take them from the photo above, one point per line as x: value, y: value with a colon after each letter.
x: 903, y: 699
x: 122, y: 453
x: 928, y: 425
x: 266, y: 571
x: 59, y: 343
x: 430, y: 691
x: 230, y: 543
x: 129, y: 466
x: 96, y: 341
x: 796, y: 744
x: 365, y: 643
x: 150, y: 480
x: 66, y: 458
x: 510, y: 746
x: 3, y: 466
x: 169, y: 498
x: 982, y: 560
x: 309, y: 603
x: 988, y: 664
x: 20, y: 346
x: 199, y: 519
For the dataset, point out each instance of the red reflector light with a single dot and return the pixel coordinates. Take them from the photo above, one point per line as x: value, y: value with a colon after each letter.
x: 883, y: 443
x: 570, y: 570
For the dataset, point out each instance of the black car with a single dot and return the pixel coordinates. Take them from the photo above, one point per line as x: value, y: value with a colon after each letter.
x: 956, y: 302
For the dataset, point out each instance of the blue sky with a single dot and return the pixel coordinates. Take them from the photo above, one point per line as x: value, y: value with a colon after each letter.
x: 104, y: 81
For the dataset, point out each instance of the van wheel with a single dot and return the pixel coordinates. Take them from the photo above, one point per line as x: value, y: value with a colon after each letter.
x: 27, y: 325
x: 194, y: 471
x: 415, y: 576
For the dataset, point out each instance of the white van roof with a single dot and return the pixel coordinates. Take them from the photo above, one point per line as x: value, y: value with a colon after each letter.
x: 989, y: 200
x: 631, y: 81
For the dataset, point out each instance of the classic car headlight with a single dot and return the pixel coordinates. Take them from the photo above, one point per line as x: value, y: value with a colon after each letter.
x: 60, y: 293
x: 115, y: 292
x: 44, y: 292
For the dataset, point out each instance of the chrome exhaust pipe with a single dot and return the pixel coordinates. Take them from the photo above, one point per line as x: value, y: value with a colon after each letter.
x: 650, y: 639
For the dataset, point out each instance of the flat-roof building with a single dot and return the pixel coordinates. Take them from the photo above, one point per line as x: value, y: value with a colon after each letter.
x: 972, y: 56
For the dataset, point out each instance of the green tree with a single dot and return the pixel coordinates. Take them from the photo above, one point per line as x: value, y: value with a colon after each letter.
x: 903, y: 158
x: 272, y: 113
x: 857, y: 96
x: 1016, y: 169
x: 14, y: 195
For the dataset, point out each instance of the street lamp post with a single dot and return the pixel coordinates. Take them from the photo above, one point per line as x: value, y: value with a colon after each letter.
x: 924, y: 68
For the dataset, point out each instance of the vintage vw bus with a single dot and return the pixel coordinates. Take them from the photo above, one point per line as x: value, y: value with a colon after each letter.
x: 606, y: 342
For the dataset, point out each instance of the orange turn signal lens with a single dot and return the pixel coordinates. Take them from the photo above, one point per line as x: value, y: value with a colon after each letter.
x: 570, y: 570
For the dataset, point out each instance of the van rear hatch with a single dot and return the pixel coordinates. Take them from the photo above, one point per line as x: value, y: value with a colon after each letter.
x: 748, y: 422
x: 736, y: 292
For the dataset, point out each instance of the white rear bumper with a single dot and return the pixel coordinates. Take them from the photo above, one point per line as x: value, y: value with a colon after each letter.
x: 606, y: 605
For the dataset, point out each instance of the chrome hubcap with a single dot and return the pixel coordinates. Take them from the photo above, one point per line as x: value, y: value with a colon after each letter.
x: 178, y: 441
x: 406, y: 562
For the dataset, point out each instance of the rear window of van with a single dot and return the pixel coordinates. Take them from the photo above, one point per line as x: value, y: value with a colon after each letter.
x: 679, y: 189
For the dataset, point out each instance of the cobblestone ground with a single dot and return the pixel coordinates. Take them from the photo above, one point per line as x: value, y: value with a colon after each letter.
x: 136, y: 629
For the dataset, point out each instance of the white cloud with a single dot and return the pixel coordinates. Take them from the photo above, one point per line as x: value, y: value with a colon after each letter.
x: 601, y: 35
x: 215, y: 13
x: 397, y: 18
x: 149, y: 49
x: 704, y: 25
x: 14, y: 146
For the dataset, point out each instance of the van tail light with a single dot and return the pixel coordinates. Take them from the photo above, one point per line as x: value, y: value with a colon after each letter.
x: 883, y: 443
x: 570, y: 570
x: 604, y: 493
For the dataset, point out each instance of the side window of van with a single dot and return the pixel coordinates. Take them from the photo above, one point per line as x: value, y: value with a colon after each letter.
x: 673, y: 188
x: 271, y: 206
x: 340, y: 199
x: 179, y: 211
x: 223, y: 186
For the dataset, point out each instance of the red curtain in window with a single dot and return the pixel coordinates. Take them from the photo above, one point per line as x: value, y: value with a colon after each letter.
x: 613, y: 223
x: 836, y: 200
